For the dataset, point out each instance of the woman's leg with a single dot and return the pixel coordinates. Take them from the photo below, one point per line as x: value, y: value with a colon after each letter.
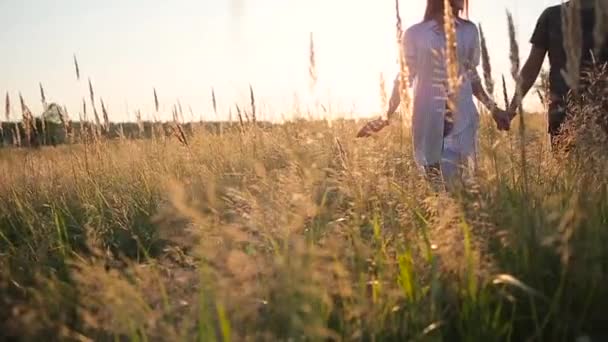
x: 451, y: 166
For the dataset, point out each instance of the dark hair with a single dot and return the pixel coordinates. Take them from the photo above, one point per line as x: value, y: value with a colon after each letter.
x: 434, y: 9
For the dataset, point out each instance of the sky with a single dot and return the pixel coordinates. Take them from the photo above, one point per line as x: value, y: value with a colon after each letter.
x: 185, y: 48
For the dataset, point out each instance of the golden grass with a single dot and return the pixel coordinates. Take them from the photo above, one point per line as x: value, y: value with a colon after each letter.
x: 300, y: 231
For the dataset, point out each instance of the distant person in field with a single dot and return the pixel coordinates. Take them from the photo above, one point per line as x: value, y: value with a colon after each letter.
x: 548, y: 38
x: 444, y: 138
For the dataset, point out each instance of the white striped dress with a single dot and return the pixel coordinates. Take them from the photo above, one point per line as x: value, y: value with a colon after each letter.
x: 424, y: 46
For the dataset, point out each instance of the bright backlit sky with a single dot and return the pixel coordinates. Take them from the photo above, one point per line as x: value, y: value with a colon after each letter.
x: 186, y: 47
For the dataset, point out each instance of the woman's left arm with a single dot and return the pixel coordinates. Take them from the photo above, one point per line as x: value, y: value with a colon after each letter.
x: 474, y: 57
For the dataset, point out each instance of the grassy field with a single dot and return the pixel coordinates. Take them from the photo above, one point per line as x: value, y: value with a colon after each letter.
x: 301, y: 232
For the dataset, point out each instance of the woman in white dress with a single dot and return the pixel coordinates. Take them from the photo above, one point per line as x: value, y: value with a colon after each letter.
x: 444, y: 140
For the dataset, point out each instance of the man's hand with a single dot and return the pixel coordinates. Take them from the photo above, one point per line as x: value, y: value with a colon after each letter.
x: 372, y: 127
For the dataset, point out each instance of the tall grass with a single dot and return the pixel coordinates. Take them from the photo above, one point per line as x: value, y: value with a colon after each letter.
x: 302, y: 232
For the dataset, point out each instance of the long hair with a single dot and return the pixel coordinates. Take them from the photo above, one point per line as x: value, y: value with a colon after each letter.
x: 434, y: 9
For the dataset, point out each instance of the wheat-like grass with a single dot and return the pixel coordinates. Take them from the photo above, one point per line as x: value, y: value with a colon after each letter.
x: 404, y: 94
x: 106, y: 118
x: 16, y: 135
x: 513, y: 47
x: 44, y: 108
x: 214, y: 102
x: 451, y: 56
x: 252, y: 103
x: 383, y: 95
x: 573, y: 36
x: 76, y: 68
x: 156, y: 104
x: 214, y: 105
x: 96, y: 130
x: 27, y: 120
x: 241, y: 123
x: 515, y: 66
x: 64, y: 116
x: 312, y: 63
x: 42, y: 97
x: 7, y: 107
x: 91, y: 93
x: 180, y: 111
x: 485, y: 63
x: 505, y: 92
x: 140, y: 123
x: 174, y: 113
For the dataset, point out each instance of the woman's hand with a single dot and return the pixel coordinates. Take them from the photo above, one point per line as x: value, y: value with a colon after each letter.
x: 372, y: 127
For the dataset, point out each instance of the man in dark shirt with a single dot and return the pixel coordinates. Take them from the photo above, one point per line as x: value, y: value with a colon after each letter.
x: 548, y: 38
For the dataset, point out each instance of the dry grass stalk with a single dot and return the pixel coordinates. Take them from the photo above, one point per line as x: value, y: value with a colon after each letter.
x: 238, y: 112
x: 178, y: 131
x: 42, y: 97
x: 95, y: 114
x: 7, y: 110
x: 76, y: 68
x: 27, y: 120
x: 156, y: 105
x: 140, y: 124
x: 541, y: 98
x: 514, y: 54
x: 573, y: 36
x: 180, y: 111
x: 515, y: 63
x: 485, y: 63
x: 200, y: 117
x: 252, y: 101
x: 513, y: 47
x: 451, y: 56
x: 88, y: 131
x: 383, y: 96
x: 174, y: 114
x: 156, y: 108
x: 84, y: 110
x: 121, y: 132
x: 154, y: 127
x: 312, y: 63
x: 403, y: 70
x: 65, y: 121
x: 43, y: 127
x: 91, y: 93
x: 106, y: 119
x: 7, y: 107
x: 214, y: 101
x: 214, y: 104
x: 16, y: 135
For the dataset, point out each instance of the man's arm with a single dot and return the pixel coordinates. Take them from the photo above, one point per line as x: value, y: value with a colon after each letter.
x: 528, y: 75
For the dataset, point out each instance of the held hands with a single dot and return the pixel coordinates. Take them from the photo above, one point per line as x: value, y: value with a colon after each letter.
x: 502, y: 118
